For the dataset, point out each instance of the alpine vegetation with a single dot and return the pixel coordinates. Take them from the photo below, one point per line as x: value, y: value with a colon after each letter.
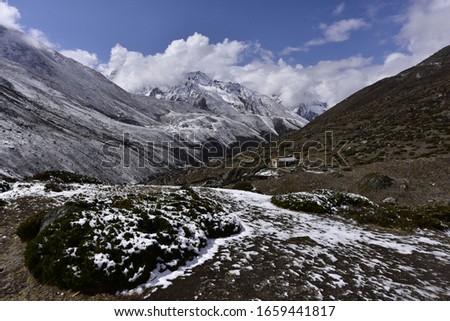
x: 106, y: 245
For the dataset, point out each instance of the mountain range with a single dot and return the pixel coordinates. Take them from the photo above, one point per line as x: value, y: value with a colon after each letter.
x: 200, y: 90
x: 57, y: 114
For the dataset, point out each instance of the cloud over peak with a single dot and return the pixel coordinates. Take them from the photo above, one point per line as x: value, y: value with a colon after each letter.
x: 133, y: 70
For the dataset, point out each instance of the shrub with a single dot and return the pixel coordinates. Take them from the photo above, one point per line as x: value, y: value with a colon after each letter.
x: 65, y: 177
x: 322, y: 202
x: 362, y: 210
x: 244, y: 186
x: 376, y: 181
x: 109, y: 246
x: 29, y: 228
x: 52, y: 186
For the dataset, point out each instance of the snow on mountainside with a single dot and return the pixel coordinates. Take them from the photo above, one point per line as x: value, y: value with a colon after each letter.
x: 311, y: 110
x: 56, y: 114
x: 231, y: 99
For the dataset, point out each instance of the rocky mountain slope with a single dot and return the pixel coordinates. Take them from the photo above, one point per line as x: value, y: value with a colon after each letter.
x: 403, y: 117
x: 232, y: 99
x: 57, y: 114
x: 312, y: 110
x: 200, y: 90
x: 391, y: 139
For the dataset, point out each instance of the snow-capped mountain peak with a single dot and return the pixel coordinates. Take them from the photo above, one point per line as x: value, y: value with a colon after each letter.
x: 199, y: 77
x: 229, y: 98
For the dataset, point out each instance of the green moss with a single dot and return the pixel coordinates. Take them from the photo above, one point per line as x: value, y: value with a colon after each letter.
x: 304, y: 205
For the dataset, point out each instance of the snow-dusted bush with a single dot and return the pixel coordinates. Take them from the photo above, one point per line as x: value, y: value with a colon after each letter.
x: 65, y: 177
x: 364, y: 211
x: 108, y: 246
x: 323, y: 201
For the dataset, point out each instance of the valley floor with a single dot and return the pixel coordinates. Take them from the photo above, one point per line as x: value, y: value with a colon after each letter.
x: 280, y: 255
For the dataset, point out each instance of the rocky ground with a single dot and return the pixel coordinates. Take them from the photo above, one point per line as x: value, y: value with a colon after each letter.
x: 280, y: 255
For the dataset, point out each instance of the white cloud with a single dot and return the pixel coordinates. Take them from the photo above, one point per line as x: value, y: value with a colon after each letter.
x: 339, y: 9
x: 39, y: 36
x: 133, y: 70
x: 327, y: 81
x: 337, y: 32
x: 427, y: 27
x: 82, y: 56
x: 9, y: 16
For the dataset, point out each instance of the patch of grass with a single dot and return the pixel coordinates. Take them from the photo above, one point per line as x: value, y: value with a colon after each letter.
x: 3, y: 203
x: 433, y: 216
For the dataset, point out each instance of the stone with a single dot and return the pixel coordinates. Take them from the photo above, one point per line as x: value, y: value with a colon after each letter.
x: 390, y: 200
x: 4, y: 187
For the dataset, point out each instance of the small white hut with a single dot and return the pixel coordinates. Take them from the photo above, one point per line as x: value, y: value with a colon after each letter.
x: 282, y: 162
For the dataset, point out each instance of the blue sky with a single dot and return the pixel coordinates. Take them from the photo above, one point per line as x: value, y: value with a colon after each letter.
x: 297, y: 49
x: 149, y: 26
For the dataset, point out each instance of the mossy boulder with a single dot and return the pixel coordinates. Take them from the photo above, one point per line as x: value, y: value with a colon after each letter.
x: 376, y: 181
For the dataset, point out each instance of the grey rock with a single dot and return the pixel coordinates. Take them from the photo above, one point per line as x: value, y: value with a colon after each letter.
x: 390, y: 200
x: 4, y: 187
